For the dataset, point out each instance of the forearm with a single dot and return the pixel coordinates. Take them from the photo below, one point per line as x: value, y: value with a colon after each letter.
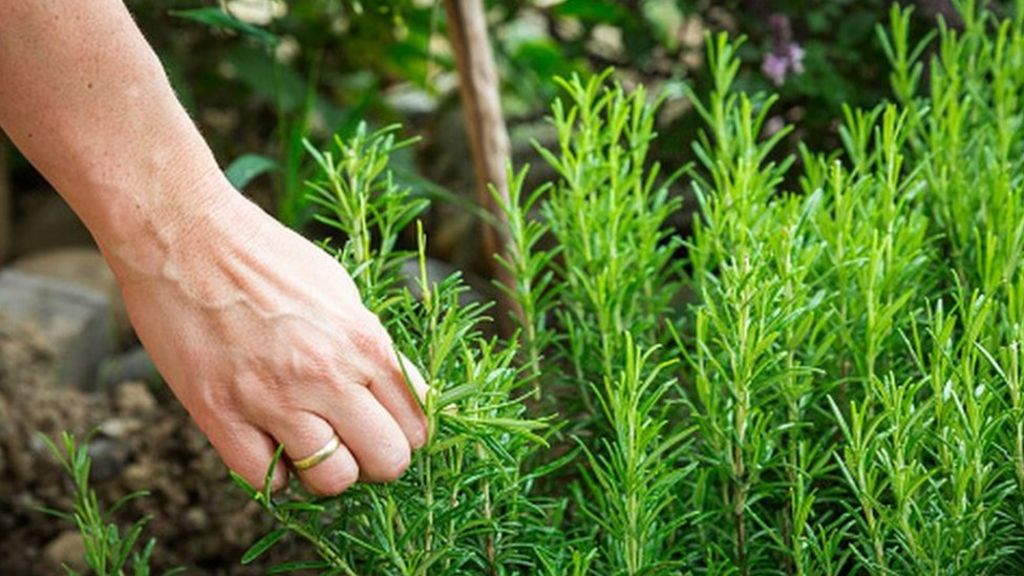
x: 86, y: 100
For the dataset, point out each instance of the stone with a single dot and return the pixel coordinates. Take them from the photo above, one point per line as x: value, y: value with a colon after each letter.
x: 73, y: 321
x: 109, y: 457
x: 82, y: 266
x: 67, y: 549
x: 197, y: 518
x: 121, y: 428
x: 410, y: 100
x: 134, y: 398
x: 139, y: 475
x: 134, y: 365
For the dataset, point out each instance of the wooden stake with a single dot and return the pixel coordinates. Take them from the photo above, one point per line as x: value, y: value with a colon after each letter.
x: 479, y: 88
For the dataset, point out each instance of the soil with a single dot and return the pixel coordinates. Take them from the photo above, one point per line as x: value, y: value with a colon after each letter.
x: 143, y: 440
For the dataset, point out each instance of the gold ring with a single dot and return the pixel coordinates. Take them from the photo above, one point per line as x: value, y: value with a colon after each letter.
x: 320, y: 455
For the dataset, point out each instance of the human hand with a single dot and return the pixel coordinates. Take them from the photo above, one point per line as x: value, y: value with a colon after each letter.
x: 261, y: 335
x: 264, y: 339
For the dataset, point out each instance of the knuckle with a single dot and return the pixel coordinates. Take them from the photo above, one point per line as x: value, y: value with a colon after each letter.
x: 369, y: 338
x: 312, y: 358
x: 322, y: 364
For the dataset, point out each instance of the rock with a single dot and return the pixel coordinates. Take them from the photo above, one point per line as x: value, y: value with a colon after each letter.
x: 67, y: 549
x: 131, y: 366
x: 134, y: 398
x: 73, y: 321
x: 197, y: 518
x: 109, y: 456
x: 140, y: 475
x: 23, y: 350
x: 121, y: 428
x: 84, y: 267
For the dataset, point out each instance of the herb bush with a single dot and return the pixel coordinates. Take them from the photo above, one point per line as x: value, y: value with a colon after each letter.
x: 818, y: 381
x: 823, y: 380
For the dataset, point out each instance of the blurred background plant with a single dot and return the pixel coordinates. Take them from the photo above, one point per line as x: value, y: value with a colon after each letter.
x: 261, y: 75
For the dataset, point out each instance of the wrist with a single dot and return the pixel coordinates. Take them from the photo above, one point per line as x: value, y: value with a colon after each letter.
x: 146, y: 232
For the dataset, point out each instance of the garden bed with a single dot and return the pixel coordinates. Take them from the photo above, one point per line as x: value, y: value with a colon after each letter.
x: 145, y: 441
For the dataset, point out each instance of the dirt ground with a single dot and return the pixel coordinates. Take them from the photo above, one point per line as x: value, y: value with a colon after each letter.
x: 145, y: 441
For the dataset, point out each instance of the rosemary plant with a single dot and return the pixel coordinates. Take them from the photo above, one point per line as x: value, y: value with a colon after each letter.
x: 819, y: 380
x: 110, y: 550
x: 467, y: 504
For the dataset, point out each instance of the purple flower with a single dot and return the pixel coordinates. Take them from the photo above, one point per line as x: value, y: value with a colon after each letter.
x: 775, y: 68
x: 796, y: 58
x: 787, y: 56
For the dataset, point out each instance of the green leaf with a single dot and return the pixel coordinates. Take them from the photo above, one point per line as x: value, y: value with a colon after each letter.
x: 296, y: 566
x: 56, y: 513
x: 300, y: 506
x: 258, y: 69
x: 268, y: 479
x: 262, y: 545
x: 217, y: 18
x: 126, y: 499
x: 247, y: 168
x: 244, y: 485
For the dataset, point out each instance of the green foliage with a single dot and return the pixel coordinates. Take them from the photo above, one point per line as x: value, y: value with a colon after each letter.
x: 246, y: 168
x: 219, y: 18
x: 835, y: 392
x: 828, y: 383
x: 316, y: 68
x: 359, y: 196
x: 110, y: 550
x: 466, y: 504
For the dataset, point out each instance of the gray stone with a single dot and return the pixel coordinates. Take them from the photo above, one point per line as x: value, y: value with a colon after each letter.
x: 109, y: 457
x: 82, y: 266
x: 134, y: 365
x: 134, y: 398
x: 74, y: 322
x: 121, y: 428
x: 409, y: 100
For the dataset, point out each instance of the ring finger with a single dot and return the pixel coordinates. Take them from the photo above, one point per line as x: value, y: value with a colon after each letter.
x: 307, y: 436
